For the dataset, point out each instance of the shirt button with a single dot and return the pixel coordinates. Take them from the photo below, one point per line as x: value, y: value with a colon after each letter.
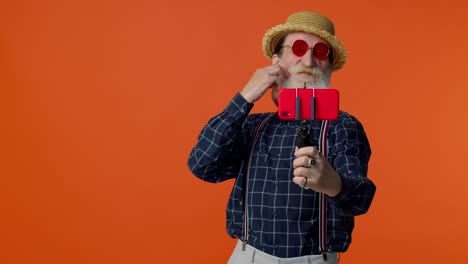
x: 242, y: 110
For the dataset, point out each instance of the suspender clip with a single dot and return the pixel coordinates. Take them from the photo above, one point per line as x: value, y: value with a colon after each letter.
x: 244, y: 243
x: 324, y: 255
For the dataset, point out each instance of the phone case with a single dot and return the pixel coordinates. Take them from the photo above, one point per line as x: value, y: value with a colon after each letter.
x: 313, y: 104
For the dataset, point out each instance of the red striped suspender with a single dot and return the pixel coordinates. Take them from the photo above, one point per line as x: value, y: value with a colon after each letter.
x: 323, y: 147
x: 246, y: 209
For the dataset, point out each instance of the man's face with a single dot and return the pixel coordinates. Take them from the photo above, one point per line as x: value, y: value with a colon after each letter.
x: 300, y: 71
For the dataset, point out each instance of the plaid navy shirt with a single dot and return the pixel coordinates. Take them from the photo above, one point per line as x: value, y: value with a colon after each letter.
x: 283, y: 217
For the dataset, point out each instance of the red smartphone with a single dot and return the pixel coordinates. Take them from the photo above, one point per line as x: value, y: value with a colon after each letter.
x: 309, y: 103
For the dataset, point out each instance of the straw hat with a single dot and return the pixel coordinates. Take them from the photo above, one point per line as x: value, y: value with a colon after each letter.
x: 309, y: 22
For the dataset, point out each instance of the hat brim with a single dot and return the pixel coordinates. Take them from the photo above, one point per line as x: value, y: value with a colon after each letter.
x: 272, y: 36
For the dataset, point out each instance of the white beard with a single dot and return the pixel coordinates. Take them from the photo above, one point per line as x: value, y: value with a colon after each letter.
x: 317, y: 79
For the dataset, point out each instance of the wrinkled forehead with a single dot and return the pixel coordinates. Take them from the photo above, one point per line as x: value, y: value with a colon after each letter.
x: 307, y: 37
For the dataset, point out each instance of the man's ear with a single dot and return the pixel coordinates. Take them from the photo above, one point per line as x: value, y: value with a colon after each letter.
x: 275, y: 59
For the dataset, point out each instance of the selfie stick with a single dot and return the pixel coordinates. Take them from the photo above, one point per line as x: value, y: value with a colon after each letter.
x: 312, y: 105
x: 298, y: 105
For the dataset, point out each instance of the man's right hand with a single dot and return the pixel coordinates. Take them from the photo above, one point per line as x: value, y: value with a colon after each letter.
x: 261, y: 81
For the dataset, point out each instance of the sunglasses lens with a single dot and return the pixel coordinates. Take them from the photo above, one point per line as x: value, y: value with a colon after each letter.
x: 321, y: 51
x: 299, y: 47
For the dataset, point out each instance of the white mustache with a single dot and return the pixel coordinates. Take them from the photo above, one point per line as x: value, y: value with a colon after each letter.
x: 299, y: 68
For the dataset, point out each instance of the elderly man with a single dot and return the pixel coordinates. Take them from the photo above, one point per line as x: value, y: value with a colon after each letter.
x: 288, y: 204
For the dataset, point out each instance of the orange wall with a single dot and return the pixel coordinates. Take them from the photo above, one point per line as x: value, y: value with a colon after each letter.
x: 101, y: 102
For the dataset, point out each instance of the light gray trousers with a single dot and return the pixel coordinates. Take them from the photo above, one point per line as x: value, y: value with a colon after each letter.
x: 252, y: 255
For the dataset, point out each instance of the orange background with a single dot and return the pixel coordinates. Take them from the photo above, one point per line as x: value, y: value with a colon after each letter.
x: 101, y: 102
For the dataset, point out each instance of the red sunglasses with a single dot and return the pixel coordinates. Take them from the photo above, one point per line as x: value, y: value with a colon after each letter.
x: 320, y: 50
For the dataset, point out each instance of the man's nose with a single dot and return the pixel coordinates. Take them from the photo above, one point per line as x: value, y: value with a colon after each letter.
x: 309, y: 59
